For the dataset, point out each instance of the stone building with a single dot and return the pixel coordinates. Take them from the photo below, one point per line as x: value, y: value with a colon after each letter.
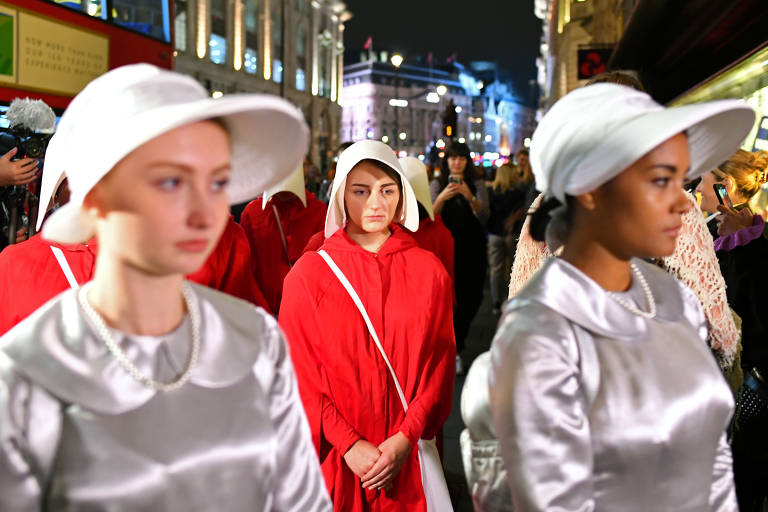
x: 292, y: 48
x: 404, y: 106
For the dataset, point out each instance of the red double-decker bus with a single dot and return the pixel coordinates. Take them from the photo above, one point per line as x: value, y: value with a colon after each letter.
x: 50, y: 49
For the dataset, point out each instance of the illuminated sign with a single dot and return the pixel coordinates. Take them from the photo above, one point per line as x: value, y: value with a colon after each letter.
x: 47, y: 55
x: 593, y: 61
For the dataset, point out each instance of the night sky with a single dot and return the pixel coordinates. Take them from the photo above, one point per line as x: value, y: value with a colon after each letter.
x: 505, y: 31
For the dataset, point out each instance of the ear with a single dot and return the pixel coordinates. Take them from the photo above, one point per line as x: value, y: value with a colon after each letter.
x: 729, y: 185
x: 587, y: 201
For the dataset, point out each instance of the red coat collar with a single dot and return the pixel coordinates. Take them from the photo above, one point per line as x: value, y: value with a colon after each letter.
x: 400, y: 240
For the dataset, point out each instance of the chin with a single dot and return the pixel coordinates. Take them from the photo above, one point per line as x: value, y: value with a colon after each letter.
x: 375, y: 227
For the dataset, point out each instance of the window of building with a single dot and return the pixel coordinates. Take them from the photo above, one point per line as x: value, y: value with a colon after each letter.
x: 180, y: 24
x: 277, y: 40
x: 217, y: 44
x: 301, y: 57
x: 251, y: 61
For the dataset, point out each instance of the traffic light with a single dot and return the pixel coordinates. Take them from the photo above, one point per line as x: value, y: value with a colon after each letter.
x: 449, y: 120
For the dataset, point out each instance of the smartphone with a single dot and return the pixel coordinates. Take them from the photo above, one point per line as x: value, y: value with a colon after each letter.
x: 722, y: 195
x: 453, y: 179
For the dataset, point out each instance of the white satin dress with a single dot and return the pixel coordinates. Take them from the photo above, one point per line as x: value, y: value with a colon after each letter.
x: 77, y: 433
x: 597, y: 408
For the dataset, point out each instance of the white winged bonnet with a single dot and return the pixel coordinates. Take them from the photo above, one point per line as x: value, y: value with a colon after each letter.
x: 353, y: 155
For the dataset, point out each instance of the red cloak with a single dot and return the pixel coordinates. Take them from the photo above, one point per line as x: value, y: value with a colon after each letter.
x: 346, y: 389
x: 433, y: 236
x: 30, y: 275
x: 229, y: 267
x: 269, y: 259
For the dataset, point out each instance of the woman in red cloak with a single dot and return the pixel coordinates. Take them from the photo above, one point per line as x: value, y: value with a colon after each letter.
x: 360, y: 430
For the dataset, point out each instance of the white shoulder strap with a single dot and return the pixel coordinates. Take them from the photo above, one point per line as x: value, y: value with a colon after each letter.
x: 356, y: 299
x: 59, y: 254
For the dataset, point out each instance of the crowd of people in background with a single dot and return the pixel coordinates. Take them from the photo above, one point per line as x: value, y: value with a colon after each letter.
x: 630, y: 238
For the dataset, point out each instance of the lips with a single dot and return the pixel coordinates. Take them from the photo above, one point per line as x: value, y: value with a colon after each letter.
x: 374, y: 218
x: 196, y: 245
x: 673, y: 232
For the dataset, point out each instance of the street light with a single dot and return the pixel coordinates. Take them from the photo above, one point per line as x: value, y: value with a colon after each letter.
x: 396, y: 60
x: 441, y: 89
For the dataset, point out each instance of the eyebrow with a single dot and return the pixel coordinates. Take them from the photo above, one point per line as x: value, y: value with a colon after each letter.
x: 669, y: 167
x: 390, y: 184
x: 223, y: 167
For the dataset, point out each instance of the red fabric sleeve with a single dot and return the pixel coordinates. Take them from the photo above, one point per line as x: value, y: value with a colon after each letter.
x: 300, y: 329
x: 434, y: 394
x: 316, y: 241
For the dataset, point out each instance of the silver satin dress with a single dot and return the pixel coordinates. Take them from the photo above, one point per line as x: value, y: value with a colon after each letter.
x: 597, y: 408
x: 77, y: 433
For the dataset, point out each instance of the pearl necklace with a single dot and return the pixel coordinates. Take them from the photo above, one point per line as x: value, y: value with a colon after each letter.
x: 106, y: 336
x: 651, y: 313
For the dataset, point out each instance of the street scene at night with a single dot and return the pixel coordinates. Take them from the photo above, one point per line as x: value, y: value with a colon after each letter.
x: 350, y: 256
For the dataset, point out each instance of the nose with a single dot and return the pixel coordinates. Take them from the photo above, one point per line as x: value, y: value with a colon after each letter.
x: 376, y: 201
x: 200, y: 207
x: 682, y: 203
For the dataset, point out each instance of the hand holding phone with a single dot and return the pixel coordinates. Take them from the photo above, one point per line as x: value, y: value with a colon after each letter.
x: 456, y: 180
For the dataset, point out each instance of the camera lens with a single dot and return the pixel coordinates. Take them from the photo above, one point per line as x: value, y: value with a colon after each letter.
x: 34, y: 148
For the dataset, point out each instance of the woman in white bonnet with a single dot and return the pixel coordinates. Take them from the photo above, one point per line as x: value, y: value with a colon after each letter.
x: 141, y: 391
x: 603, y: 391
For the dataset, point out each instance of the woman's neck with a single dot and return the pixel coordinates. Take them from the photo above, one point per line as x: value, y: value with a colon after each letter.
x: 132, y: 301
x: 371, y: 242
x: 610, y: 271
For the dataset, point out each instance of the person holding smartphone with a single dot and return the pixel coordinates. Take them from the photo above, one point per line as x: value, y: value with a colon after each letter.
x: 461, y: 198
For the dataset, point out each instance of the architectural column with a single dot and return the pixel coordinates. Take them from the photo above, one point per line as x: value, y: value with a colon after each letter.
x: 315, y: 86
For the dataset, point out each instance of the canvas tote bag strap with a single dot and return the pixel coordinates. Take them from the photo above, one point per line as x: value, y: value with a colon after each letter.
x: 356, y: 299
x: 282, y: 236
x: 59, y: 254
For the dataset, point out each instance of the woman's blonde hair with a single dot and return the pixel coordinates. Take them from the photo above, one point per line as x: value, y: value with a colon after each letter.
x: 507, y: 178
x: 746, y: 170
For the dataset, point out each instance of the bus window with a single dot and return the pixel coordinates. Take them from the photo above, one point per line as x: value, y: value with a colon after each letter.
x: 148, y: 17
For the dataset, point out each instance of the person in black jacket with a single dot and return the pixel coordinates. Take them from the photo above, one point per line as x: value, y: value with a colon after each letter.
x: 460, y: 197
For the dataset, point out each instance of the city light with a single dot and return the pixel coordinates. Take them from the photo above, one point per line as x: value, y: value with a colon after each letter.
x: 527, y: 142
x: 480, y: 84
x: 396, y: 60
x: 421, y: 157
x: 440, y: 144
x: 441, y: 154
x: 441, y: 89
x: 462, y: 140
x: 433, y: 97
x: 402, y: 135
x: 384, y: 139
x: 402, y: 154
x: 458, y: 109
x: 398, y: 103
x: 369, y: 134
x: 217, y: 94
x: 488, y: 138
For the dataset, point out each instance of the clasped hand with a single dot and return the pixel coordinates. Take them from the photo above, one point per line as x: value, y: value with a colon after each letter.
x: 377, y: 467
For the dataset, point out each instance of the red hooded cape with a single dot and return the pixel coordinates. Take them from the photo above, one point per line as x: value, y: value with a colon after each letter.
x: 433, y: 236
x: 346, y: 388
x: 30, y: 276
x: 269, y: 259
x: 229, y: 267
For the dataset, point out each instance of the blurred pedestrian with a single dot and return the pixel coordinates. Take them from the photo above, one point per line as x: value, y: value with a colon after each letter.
x: 596, y: 354
x: 138, y: 373
x: 278, y: 226
x: 376, y: 372
x: 507, y: 201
